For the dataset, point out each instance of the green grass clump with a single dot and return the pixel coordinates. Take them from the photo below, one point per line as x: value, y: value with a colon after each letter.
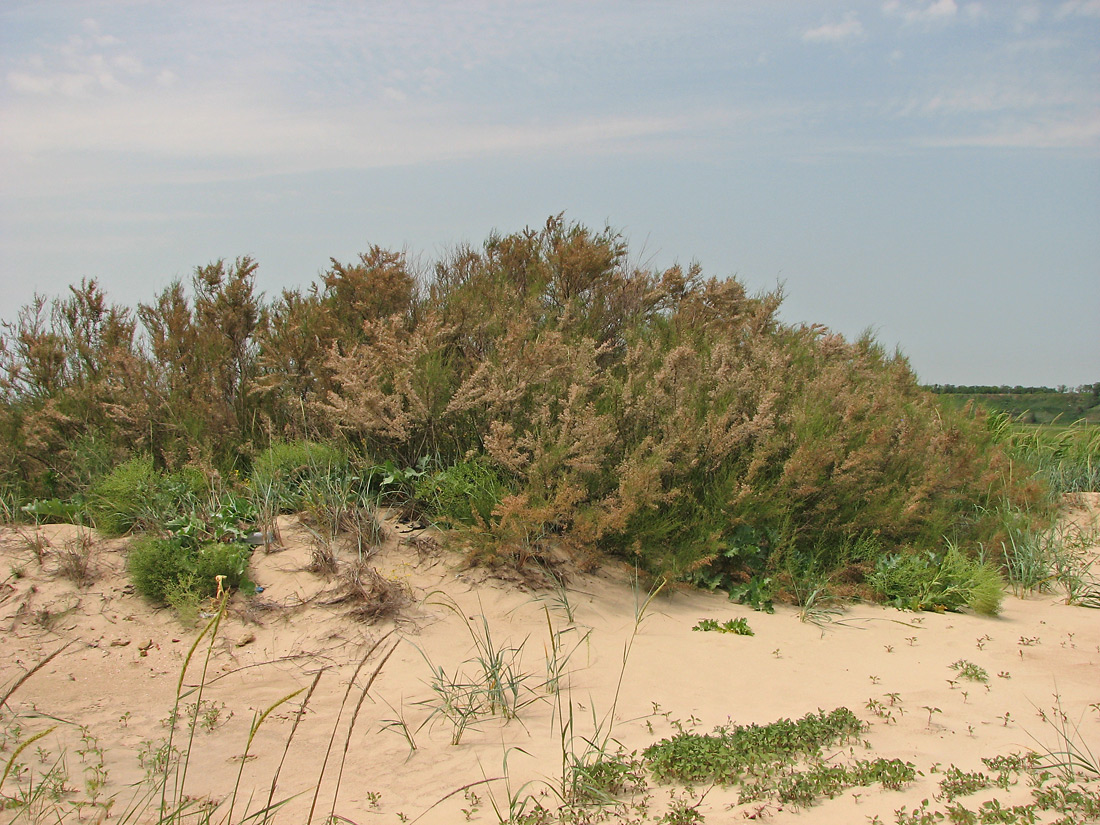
x: 930, y: 581
x: 283, y: 472
x: 133, y: 495
x: 161, y: 568
x: 465, y: 493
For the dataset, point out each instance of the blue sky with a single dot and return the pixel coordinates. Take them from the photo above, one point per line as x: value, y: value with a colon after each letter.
x: 929, y: 169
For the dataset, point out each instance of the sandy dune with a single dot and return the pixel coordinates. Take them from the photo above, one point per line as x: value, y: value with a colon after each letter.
x: 117, y: 676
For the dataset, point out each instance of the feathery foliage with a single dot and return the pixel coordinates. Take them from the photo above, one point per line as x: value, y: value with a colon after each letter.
x: 552, y: 396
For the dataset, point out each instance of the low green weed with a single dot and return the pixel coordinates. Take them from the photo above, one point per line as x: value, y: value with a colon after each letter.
x: 956, y: 783
x: 970, y: 671
x: 805, y: 787
x: 730, y: 752
x: 739, y: 626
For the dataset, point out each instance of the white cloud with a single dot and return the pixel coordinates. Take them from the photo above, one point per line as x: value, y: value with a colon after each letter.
x: 68, y: 84
x: 97, y: 36
x: 79, y: 66
x: 1052, y: 133
x: 835, y: 32
x: 1003, y: 96
x: 1084, y: 8
x: 209, y: 130
x: 1027, y: 16
x: 29, y: 84
x: 922, y: 12
x: 128, y: 63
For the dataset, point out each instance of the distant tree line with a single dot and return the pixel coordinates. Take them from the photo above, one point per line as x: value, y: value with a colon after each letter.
x: 1004, y: 389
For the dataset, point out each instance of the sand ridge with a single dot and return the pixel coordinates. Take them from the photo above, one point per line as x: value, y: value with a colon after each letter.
x: 118, y: 673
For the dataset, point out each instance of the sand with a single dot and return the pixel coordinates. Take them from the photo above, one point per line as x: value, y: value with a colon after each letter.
x: 624, y: 682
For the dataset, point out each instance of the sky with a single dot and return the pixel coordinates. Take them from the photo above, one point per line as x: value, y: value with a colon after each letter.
x: 926, y: 169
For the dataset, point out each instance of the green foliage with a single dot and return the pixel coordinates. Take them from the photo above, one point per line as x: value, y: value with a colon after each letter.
x: 1074, y: 798
x: 971, y: 671
x: 218, y: 516
x: 1067, y: 458
x: 133, y: 495
x: 161, y: 568
x: 53, y: 510
x: 956, y: 783
x: 606, y: 778
x: 549, y: 394
x: 466, y: 493
x: 739, y: 626
x: 730, y: 752
x: 285, y: 470
x: 944, y: 581
x: 157, y: 565
x: 805, y: 787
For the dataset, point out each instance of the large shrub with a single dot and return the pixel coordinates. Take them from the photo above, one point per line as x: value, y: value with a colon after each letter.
x: 565, y: 397
x: 658, y: 416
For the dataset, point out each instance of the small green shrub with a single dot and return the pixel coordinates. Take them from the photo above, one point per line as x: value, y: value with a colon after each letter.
x: 284, y: 470
x: 157, y: 565
x: 131, y: 496
x: 162, y: 568
x: 930, y: 581
x: 462, y: 494
x: 217, y: 559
